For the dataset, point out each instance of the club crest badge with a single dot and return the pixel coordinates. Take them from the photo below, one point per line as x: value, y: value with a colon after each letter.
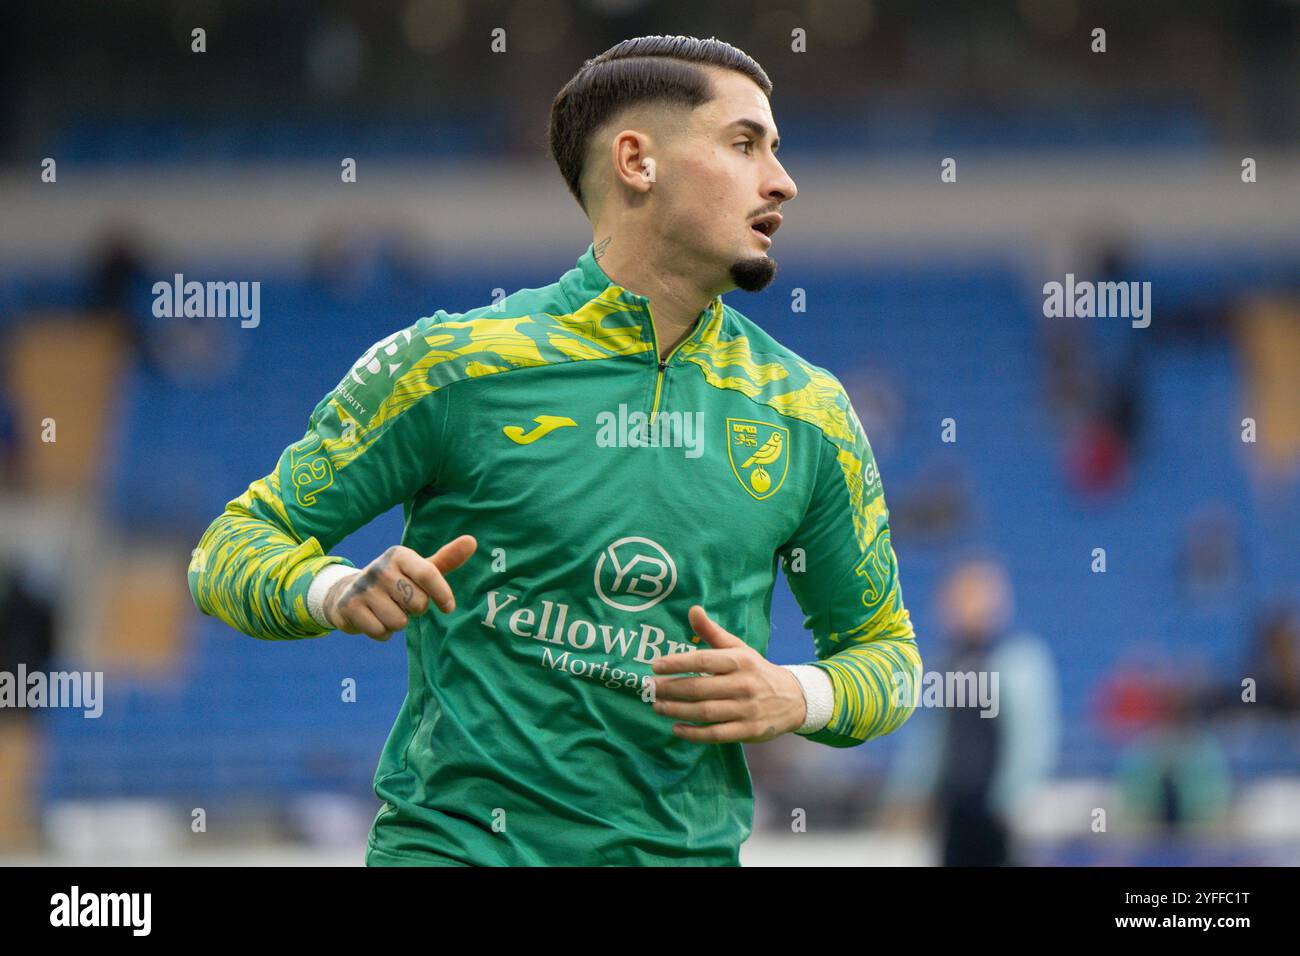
x: 759, y: 453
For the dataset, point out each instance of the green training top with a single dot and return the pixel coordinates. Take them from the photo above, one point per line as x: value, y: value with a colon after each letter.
x: 609, y: 491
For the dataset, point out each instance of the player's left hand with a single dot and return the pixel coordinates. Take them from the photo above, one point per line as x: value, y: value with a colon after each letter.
x: 742, y: 696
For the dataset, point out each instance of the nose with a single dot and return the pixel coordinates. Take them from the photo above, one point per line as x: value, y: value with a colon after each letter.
x: 780, y: 188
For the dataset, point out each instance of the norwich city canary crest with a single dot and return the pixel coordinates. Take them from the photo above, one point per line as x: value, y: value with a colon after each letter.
x: 759, y: 454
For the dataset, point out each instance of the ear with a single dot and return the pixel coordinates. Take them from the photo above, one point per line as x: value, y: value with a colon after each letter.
x: 634, y: 166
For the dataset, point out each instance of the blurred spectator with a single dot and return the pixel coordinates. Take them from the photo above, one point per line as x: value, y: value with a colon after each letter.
x: 1122, y: 405
x: 1275, y: 662
x: 26, y: 626
x: 26, y: 637
x: 1131, y: 697
x: 977, y: 770
x: 1101, y: 448
x: 189, y: 350
x: 119, y: 284
x: 1097, y: 458
x: 1095, y: 393
x: 1272, y: 664
x: 1175, y: 776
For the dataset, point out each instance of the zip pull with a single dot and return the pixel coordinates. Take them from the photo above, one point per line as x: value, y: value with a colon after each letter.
x: 662, y: 365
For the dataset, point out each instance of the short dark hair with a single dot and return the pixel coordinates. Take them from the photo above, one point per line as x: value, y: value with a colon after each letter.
x: 645, y: 68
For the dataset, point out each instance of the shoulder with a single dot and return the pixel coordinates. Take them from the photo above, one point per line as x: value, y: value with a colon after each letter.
x: 736, y: 353
x: 528, y: 328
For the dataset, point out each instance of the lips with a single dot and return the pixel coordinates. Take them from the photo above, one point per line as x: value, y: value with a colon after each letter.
x: 766, y: 225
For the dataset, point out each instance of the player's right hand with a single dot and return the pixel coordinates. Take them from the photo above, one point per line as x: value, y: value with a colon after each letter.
x: 400, y: 582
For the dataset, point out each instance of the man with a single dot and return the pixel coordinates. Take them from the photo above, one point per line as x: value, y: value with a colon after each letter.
x: 983, y: 756
x: 611, y: 474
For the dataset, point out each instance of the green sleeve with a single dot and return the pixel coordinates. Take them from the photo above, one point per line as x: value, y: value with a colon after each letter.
x: 841, y: 567
x: 371, y: 443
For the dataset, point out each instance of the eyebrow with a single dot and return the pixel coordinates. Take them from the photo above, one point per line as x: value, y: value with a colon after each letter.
x: 758, y: 129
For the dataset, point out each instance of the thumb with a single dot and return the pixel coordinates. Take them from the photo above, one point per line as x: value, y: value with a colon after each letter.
x: 454, y: 553
x: 710, y: 630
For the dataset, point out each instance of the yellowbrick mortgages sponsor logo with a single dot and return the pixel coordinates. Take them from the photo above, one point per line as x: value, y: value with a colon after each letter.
x: 638, y: 574
x: 554, y: 624
x: 563, y: 632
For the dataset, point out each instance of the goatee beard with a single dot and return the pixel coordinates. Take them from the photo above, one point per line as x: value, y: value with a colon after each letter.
x: 753, y: 275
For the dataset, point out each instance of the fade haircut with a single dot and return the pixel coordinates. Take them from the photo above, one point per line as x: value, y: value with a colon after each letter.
x: 654, y: 68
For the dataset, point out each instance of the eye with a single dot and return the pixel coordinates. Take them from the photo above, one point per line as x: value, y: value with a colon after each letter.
x: 748, y: 144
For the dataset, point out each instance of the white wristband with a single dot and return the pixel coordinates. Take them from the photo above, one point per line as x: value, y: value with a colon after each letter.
x: 818, y: 695
x: 325, y: 579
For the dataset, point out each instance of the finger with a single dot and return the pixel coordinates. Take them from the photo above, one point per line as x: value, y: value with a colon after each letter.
x: 334, y: 599
x: 429, y: 582
x: 361, y: 620
x: 406, y: 595
x: 389, y: 580
x: 697, y: 662
x: 735, y: 731
x: 705, y: 711
x: 710, y: 630
x: 454, y: 553
x: 385, y: 608
x: 729, y: 687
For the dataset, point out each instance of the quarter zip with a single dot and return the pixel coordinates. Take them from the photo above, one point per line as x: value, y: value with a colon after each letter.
x: 700, y: 322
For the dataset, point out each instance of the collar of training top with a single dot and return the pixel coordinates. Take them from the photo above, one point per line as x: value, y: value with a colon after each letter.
x: 587, y: 280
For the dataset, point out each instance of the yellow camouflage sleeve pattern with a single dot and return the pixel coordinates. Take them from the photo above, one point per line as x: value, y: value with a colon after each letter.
x: 253, y: 566
x: 252, y: 571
